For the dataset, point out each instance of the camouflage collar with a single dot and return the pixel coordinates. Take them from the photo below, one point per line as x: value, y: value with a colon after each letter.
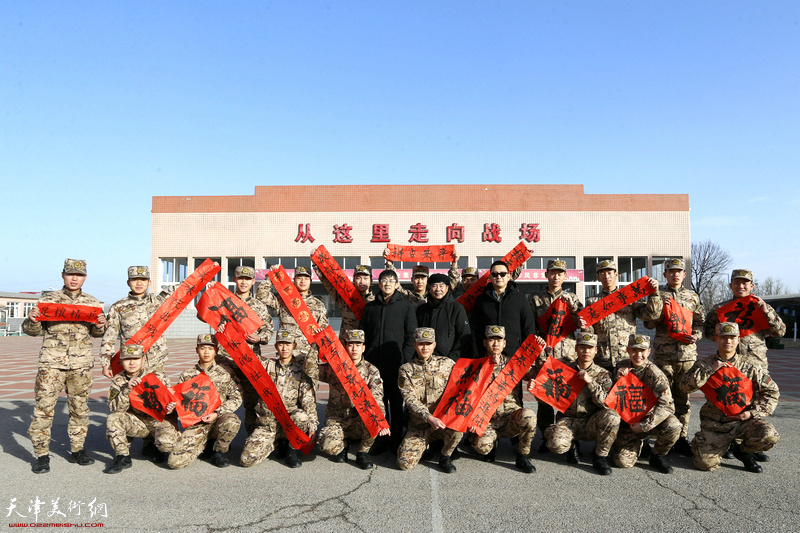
x: 134, y: 297
x: 70, y: 294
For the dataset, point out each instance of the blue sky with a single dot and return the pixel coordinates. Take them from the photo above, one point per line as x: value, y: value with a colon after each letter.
x: 106, y: 104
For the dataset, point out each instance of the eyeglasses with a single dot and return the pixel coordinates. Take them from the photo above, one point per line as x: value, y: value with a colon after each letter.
x: 499, y: 274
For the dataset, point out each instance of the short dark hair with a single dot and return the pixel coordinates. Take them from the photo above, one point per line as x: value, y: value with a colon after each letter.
x: 388, y: 274
x: 499, y: 263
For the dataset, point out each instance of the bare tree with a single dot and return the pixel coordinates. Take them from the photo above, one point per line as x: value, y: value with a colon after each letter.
x: 710, y: 264
x: 770, y: 287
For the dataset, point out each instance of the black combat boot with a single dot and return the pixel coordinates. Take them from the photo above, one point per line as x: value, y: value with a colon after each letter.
x: 600, y: 464
x: 281, y: 448
x: 647, y: 449
x: 489, y: 457
x: 728, y: 453
x: 524, y: 463
x: 121, y: 462
x: 659, y: 462
x: 573, y: 455
x: 748, y: 459
x: 446, y: 463
x: 158, y: 456
x: 340, y: 457
x: 81, y: 458
x: 291, y: 458
x: 41, y: 465
x: 683, y: 447
x: 761, y: 457
x: 219, y: 459
x: 363, y: 461
x: 208, y: 451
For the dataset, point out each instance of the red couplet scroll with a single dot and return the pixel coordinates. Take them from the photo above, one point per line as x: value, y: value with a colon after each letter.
x: 678, y: 320
x: 195, y: 399
x: 294, y: 303
x: 468, y: 381
x: 355, y: 386
x: 516, y: 257
x: 616, y: 301
x: 343, y: 286
x: 557, y: 322
x: 218, y: 307
x: 421, y: 254
x: 54, y: 312
x: 151, y: 397
x: 631, y: 398
x: 557, y: 384
x: 729, y: 389
x: 745, y: 312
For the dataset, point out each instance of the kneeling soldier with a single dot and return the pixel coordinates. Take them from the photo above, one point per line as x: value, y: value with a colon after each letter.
x: 422, y: 382
x: 222, y: 425
x: 125, y: 421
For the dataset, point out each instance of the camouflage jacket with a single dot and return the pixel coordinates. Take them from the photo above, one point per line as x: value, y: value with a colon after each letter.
x: 224, y: 381
x: 119, y: 392
x: 273, y: 301
x: 540, y: 303
x: 655, y: 379
x: 349, y: 319
x: 66, y: 345
x: 765, y: 391
x: 754, y: 346
x: 296, y: 391
x: 265, y: 331
x: 613, y: 331
x: 125, y: 318
x: 592, y: 396
x: 665, y: 348
x: 422, y: 384
x: 339, y: 403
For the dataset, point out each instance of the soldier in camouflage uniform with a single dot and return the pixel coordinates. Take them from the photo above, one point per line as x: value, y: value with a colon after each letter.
x: 65, y: 363
x: 511, y: 419
x: 614, y: 330
x: 222, y: 425
x: 244, y: 278
x: 659, y: 422
x: 753, y: 346
x: 127, y: 316
x: 125, y: 422
x: 362, y: 280
x: 302, y: 280
x: 587, y: 418
x: 469, y: 275
x: 422, y: 383
x: 719, y: 431
x: 297, y: 392
x: 342, y: 421
x: 676, y: 357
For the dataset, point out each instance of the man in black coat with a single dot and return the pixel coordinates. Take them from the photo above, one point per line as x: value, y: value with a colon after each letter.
x: 448, y: 317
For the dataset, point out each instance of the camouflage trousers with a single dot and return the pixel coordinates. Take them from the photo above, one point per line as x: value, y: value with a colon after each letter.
x: 675, y: 370
x: 601, y: 427
x: 628, y: 445
x: 194, y: 438
x: 714, y: 438
x: 332, y: 436
x: 261, y: 441
x: 123, y: 426
x: 521, y: 422
x: 249, y: 395
x: 416, y: 441
x: 49, y: 383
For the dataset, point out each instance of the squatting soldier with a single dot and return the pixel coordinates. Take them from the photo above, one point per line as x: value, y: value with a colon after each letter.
x: 717, y: 430
x: 587, y: 418
x: 511, y: 419
x: 219, y: 428
x: 753, y: 346
x: 297, y: 392
x: 422, y: 383
x: 65, y: 363
x: 675, y: 357
x: 613, y: 331
x: 125, y: 422
x: 659, y: 421
x: 362, y: 280
x: 342, y: 421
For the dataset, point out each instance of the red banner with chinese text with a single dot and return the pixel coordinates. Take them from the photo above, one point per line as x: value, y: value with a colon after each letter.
x: 294, y: 303
x: 506, y: 380
x: 678, y: 320
x: 556, y: 384
x: 616, y: 301
x: 343, y: 286
x: 516, y: 257
x: 421, y: 254
x: 358, y: 391
x: 195, y: 399
x: 151, y: 397
x: 170, y: 309
x: 468, y: 381
x: 53, y: 312
x: 218, y: 306
x: 557, y: 322
x: 745, y: 312
x: 729, y: 390
x: 631, y: 398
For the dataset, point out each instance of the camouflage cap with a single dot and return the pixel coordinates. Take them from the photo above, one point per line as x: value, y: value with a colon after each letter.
x: 675, y: 263
x: 469, y: 271
x: 206, y: 338
x: 557, y: 264
x: 495, y: 331
x: 606, y: 264
x: 424, y: 335
x: 245, y: 272
x: 727, y: 329
x: 284, y: 335
x: 75, y: 266
x: 641, y: 342
x: 586, y: 338
x: 742, y: 273
x: 420, y: 270
x: 302, y: 271
x: 362, y: 269
x: 131, y: 351
x: 138, y: 272
x: 355, y: 335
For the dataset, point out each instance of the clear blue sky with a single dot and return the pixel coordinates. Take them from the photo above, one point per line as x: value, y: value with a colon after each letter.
x: 106, y: 104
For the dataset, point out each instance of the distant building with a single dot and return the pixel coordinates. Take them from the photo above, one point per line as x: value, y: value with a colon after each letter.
x: 14, y: 308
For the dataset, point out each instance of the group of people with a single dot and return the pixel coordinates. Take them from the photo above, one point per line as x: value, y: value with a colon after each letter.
x: 404, y: 345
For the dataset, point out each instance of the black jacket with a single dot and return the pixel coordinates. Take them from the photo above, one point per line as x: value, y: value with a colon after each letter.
x: 512, y: 311
x: 449, y: 319
x: 389, y: 331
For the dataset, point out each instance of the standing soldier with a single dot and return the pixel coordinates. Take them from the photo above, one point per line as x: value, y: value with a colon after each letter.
x: 448, y: 317
x: 362, y: 280
x: 422, y: 383
x: 659, y: 421
x: 222, y: 425
x: 469, y: 275
x: 676, y: 356
x: 65, y: 363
